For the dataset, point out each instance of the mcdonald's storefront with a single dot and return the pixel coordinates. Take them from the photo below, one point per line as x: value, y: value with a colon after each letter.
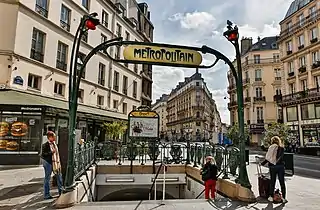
x: 25, y: 119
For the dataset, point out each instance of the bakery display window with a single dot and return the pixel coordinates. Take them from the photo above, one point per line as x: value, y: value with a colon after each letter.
x: 20, y: 133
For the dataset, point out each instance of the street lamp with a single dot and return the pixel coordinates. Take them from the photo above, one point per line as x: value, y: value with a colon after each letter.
x: 232, y: 35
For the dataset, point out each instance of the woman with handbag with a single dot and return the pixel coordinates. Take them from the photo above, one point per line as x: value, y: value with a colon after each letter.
x: 274, y: 159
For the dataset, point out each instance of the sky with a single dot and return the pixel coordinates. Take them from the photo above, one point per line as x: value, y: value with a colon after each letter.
x: 202, y: 22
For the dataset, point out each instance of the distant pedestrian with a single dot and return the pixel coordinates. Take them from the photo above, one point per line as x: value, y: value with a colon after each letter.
x: 51, y: 163
x: 274, y: 158
x: 209, y: 176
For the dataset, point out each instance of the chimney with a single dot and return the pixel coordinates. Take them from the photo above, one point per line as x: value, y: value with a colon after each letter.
x: 246, y: 44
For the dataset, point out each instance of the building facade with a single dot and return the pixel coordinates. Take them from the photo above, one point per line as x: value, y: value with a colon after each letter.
x: 299, y: 48
x: 34, y: 68
x: 161, y: 108
x: 191, y: 110
x: 262, y: 80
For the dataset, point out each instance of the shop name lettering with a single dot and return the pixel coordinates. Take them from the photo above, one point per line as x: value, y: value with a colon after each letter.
x: 163, y: 54
x: 31, y: 108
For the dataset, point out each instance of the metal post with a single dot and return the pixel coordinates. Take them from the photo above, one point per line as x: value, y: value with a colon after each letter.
x: 164, y: 182
x: 155, y: 189
x: 188, y: 150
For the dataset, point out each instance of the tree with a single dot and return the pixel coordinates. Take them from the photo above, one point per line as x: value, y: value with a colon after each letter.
x: 233, y: 133
x: 115, y: 129
x: 277, y: 129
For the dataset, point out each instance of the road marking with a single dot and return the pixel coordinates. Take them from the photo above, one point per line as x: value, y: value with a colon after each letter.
x: 306, y: 169
x: 307, y: 157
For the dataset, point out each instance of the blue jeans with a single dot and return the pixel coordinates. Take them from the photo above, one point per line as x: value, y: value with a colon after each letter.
x: 47, y: 176
x: 274, y: 171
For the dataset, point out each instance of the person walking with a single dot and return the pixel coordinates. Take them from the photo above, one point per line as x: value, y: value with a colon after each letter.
x: 51, y: 163
x: 209, y: 176
x: 274, y: 159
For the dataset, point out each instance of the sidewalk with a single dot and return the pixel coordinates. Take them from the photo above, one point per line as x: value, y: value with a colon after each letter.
x: 22, y: 189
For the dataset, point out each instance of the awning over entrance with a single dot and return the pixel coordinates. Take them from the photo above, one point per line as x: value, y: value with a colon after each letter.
x: 13, y: 97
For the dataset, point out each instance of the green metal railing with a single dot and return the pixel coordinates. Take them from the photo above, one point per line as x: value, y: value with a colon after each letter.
x: 227, y: 158
x: 84, y: 158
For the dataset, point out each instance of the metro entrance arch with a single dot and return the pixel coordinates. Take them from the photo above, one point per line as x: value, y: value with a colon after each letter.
x: 151, y: 54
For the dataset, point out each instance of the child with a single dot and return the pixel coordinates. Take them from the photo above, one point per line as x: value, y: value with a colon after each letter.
x: 209, y: 176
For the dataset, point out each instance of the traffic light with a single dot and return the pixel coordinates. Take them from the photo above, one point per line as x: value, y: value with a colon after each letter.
x: 92, y: 23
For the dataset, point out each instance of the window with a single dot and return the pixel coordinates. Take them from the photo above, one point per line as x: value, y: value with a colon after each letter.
x: 105, y: 18
x: 65, y: 16
x: 292, y: 114
x: 290, y: 67
x: 259, y: 113
x: 301, y: 19
x: 103, y: 38
x: 100, y: 100
x: 86, y: 3
x: 308, y: 112
x: 315, y: 56
x: 304, y: 84
x: 292, y: 88
x: 135, y: 86
x: 247, y: 93
x: 277, y: 74
x: 317, y: 108
x: 37, y: 45
x: 258, y: 92
x: 198, y: 114
x: 59, y: 88
x: 118, y: 48
x: 116, y: 81
x: 119, y: 29
x: 276, y: 57
x: 127, y: 36
x: 34, y: 81
x: 62, y: 53
x: 256, y: 59
x: 80, y: 60
x: 246, y: 75
x: 135, y: 68
x: 289, y: 46
x: 115, y: 104
x: 85, y: 36
x: 42, y: 7
x: 80, y: 96
x: 313, y: 33
x: 289, y: 26
x: 301, y: 40
x: 313, y: 12
x: 258, y: 76
x: 101, y: 75
x: 124, y: 108
x: 302, y: 61
x: 197, y: 83
x: 278, y: 91
x: 125, y: 85
x: 134, y: 107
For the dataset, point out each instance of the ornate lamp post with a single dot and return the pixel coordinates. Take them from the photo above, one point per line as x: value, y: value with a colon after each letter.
x: 232, y: 34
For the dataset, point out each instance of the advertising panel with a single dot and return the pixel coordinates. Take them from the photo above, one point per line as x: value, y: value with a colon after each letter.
x: 143, y: 127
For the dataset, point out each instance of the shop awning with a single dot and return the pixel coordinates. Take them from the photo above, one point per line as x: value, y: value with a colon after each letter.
x: 13, y: 97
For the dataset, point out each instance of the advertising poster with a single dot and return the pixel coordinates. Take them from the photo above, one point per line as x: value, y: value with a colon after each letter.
x: 143, y: 127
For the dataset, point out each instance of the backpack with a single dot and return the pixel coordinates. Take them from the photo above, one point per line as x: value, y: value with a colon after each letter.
x: 205, y: 174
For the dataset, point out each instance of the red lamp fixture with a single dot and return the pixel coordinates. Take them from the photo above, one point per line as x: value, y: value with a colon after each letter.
x: 232, y: 36
x: 90, y: 25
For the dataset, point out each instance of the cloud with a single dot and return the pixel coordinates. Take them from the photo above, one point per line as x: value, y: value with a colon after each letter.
x: 202, y: 22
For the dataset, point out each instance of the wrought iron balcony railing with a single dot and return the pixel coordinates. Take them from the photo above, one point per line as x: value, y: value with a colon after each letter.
x: 300, y: 96
x: 259, y: 98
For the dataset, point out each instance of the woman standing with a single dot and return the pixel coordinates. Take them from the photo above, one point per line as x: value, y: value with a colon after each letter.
x: 274, y: 158
x: 51, y: 162
x: 209, y: 176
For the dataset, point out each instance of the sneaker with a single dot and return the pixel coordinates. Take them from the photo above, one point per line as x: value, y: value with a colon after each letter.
x: 270, y: 199
x: 284, y: 200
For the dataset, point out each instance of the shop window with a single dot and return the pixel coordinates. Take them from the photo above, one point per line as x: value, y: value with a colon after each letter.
x: 292, y: 114
x: 307, y: 111
x: 317, y: 108
x: 21, y: 134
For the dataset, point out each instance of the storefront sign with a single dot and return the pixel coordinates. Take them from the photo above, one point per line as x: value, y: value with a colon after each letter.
x: 167, y: 55
x: 143, y: 114
x: 18, y: 80
x: 31, y: 108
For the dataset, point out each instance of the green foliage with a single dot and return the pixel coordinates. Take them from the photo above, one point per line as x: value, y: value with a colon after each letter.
x: 115, y: 129
x: 277, y: 129
x: 233, y: 133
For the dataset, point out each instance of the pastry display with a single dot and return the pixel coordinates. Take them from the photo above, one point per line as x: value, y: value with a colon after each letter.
x: 3, y: 144
x: 19, y: 129
x: 4, y: 129
x: 12, y: 146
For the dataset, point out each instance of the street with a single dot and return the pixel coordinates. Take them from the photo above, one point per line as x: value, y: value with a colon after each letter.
x: 306, y: 166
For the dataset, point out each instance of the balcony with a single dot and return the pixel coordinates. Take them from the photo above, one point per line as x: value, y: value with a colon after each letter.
x: 246, y: 81
x: 232, y: 104
x: 305, y: 22
x: 302, y: 69
x: 314, y: 40
x: 291, y: 74
x: 259, y: 99
x: 277, y: 98
x: 61, y: 65
x: 289, y: 52
x: 301, y: 47
x: 315, y: 65
x: 260, y: 121
x: 260, y: 61
x: 304, y: 96
x: 41, y: 10
x: 247, y: 99
x: 64, y: 25
x: 277, y: 78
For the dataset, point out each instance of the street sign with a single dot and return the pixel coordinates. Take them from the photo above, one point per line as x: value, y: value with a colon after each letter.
x: 143, y: 124
x: 162, y: 55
